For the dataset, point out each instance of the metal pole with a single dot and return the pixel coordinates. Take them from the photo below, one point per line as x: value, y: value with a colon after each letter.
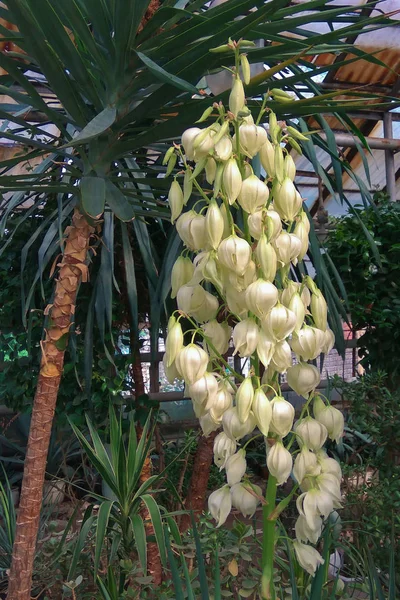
x: 389, y: 158
x: 349, y: 141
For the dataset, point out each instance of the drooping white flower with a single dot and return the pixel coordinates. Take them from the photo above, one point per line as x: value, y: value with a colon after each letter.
x: 329, y: 341
x: 282, y: 357
x: 308, y: 557
x: 330, y: 417
x: 314, y: 503
x: 319, y: 310
x: 262, y: 410
x: 222, y: 401
x: 279, y: 322
x: 307, y: 342
x: 220, y: 504
x: 265, y: 348
x: 311, y: 433
x: 192, y: 363
x: 282, y: 416
x: 204, y: 390
x: 174, y: 341
x: 244, y: 399
x: 188, y: 138
x: 234, y: 253
x: 261, y: 296
x: 219, y: 335
x: 182, y: 273
x: 245, y: 337
x: 244, y: 498
x: 235, y: 467
x: 253, y: 194
x: 304, y: 464
x: 305, y: 533
x: 207, y: 424
x: 303, y: 378
x: 279, y: 462
x: 232, y: 425
x: 224, y: 447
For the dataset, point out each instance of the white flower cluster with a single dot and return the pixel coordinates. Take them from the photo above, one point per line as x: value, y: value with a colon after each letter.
x: 233, y: 283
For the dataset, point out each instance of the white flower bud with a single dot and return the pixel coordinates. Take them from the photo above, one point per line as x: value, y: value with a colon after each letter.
x: 232, y: 180
x: 171, y: 372
x: 236, y: 467
x: 289, y: 167
x: 235, y: 301
x: 188, y: 137
x: 307, y: 342
x: 207, y: 424
x: 182, y: 273
x: 244, y: 399
x: 262, y: 410
x: 224, y: 447
x: 244, y: 498
x: 236, y: 97
x: 245, y: 337
x: 282, y: 357
x: 329, y: 465
x: 266, y: 256
x: 303, y: 378
x: 319, y: 310
x: 329, y: 341
x: 253, y: 194
x: 174, y: 341
x: 308, y: 557
x: 235, y: 254
x: 265, y: 348
x: 279, y: 322
x: 233, y: 427
x: 192, y: 363
x: 175, y: 199
x: 286, y: 200
x: 330, y: 417
x: 204, y: 390
x: 279, y: 462
x: 214, y: 224
x: 219, y: 335
x: 296, y: 305
x: 223, y: 148
x: 267, y: 157
x: 221, y: 402
x: 304, y: 464
x: 310, y: 433
x: 211, y: 169
x: 301, y: 232
x: 279, y: 164
x: 282, y: 416
x: 252, y: 138
x: 313, y: 504
x: 260, y: 297
x: 292, y: 288
x: 220, y: 504
x: 195, y: 301
x: 304, y: 533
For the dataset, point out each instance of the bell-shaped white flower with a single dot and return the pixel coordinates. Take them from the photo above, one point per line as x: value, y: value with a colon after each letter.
x: 188, y: 138
x: 287, y: 202
x: 265, y: 348
x: 313, y: 504
x: 174, y: 341
x: 279, y: 322
x: 252, y: 138
x: 171, y: 372
x: 219, y: 335
x: 330, y: 417
x: 232, y: 425
x: 210, y: 169
x: 204, y: 390
x: 253, y: 194
x: 267, y: 157
x: 203, y: 143
x: 207, y: 424
x: 196, y: 302
x: 246, y: 497
x: 329, y: 483
x: 192, y: 363
x: 319, y: 310
x: 224, y: 447
x: 191, y: 229
x: 296, y: 305
x: 235, y: 301
x: 329, y: 341
x: 236, y: 97
x: 307, y: 342
x: 309, y: 558
x: 220, y: 504
x: 214, y: 224
x: 282, y: 416
x: 267, y: 259
x: 329, y: 465
x: 260, y: 297
x: 311, y: 433
x: 221, y: 402
x: 181, y: 274
x: 289, y: 167
x: 305, y: 533
x: 305, y: 464
x: 241, y: 283
x: 232, y: 180
x: 301, y: 232
x: 282, y: 357
x: 262, y: 411
x: 236, y: 467
x: 288, y: 247
x: 244, y: 399
x: 234, y: 253
x: 223, y: 148
x: 303, y: 378
x: 245, y: 337
x: 279, y: 462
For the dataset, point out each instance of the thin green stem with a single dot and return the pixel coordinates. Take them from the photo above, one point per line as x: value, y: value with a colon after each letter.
x: 199, y: 189
x: 262, y: 109
x: 252, y: 440
x: 268, y: 547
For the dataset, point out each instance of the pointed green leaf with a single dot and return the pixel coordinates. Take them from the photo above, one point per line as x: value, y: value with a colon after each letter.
x: 93, y: 195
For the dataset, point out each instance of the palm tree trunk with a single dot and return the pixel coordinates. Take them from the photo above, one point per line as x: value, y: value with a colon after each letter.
x: 72, y: 269
x: 196, y: 496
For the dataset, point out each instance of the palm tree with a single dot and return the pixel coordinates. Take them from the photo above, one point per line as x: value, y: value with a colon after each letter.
x: 100, y: 89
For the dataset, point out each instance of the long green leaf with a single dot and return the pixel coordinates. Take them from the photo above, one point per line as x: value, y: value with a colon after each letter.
x: 139, y: 533
x: 155, y: 516
x: 101, y: 530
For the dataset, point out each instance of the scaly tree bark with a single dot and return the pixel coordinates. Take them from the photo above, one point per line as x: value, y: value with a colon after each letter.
x: 72, y: 269
x: 196, y: 496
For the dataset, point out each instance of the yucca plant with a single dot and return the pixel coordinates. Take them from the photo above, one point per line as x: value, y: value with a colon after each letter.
x: 97, y: 88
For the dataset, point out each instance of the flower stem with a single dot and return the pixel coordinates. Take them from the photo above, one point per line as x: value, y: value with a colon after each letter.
x: 268, y: 547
